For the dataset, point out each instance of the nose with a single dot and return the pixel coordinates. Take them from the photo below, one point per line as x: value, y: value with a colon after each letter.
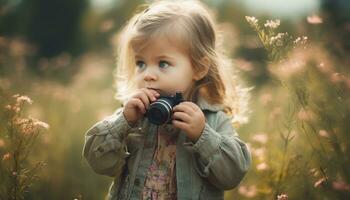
x: 150, y: 74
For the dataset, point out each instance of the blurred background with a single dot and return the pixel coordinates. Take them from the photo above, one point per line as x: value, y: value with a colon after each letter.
x: 61, y: 54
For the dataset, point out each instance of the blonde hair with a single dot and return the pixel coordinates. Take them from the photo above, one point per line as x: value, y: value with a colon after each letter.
x: 191, y: 23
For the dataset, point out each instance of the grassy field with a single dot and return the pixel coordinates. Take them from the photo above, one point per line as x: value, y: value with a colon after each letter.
x: 298, y: 128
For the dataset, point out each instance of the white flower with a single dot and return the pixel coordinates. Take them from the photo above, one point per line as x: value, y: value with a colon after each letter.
x: 252, y: 20
x: 21, y: 99
x: 272, y: 23
x: 41, y: 124
x: 278, y: 39
x: 282, y: 197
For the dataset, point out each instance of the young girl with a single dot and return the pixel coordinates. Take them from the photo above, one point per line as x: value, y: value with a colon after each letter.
x: 170, y: 47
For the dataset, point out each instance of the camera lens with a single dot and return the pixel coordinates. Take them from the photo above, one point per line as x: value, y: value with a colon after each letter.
x: 159, y: 112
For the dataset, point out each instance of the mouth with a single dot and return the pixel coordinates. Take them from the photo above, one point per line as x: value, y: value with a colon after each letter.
x: 158, y: 90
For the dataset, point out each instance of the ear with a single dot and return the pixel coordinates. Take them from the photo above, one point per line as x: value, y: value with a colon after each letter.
x: 200, y: 73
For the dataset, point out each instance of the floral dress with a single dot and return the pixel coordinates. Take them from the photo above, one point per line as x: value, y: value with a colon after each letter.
x: 161, y: 176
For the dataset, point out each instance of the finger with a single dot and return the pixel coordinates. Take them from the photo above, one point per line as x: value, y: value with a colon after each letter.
x: 191, y: 105
x: 138, y: 104
x: 179, y: 124
x: 154, y: 92
x: 183, y: 108
x: 151, y: 94
x: 181, y: 116
x: 144, y: 98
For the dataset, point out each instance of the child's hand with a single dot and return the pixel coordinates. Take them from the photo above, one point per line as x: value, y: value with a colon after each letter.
x: 137, y: 105
x: 189, y: 118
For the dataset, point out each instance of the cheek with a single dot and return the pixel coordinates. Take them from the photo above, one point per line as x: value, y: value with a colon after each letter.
x: 138, y: 81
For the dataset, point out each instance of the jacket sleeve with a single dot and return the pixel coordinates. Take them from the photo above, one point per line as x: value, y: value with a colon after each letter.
x: 220, y: 155
x: 105, y: 146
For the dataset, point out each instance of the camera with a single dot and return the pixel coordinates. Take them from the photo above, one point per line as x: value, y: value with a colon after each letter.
x: 160, y: 111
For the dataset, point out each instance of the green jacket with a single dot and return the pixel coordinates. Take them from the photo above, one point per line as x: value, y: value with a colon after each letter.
x: 216, y: 162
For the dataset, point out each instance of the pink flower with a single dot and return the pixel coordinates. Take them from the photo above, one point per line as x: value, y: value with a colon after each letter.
x: 247, y: 191
x: 337, y: 77
x: 260, y: 137
x: 314, y: 19
x: 340, y: 185
x: 323, y: 133
x: 262, y: 166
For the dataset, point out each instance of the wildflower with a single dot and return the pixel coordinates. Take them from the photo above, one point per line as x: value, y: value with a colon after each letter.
x: 300, y: 41
x: 272, y: 23
x: 6, y: 156
x: 314, y: 19
x: 278, y: 39
x: 21, y: 99
x: 260, y: 137
x: 41, y: 124
x: 252, y: 20
x: 14, y: 108
x: 326, y: 69
x: 323, y: 133
x: 247, y: 191
x: 282, y: 197
x: 337, y: 77
x: 340, y: 185
x: 262, y: 166
x: 314, y: 172
x: 320, y: 182
x: 20, y: 121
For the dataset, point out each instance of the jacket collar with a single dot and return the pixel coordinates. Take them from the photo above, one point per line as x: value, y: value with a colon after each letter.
x: 205, y: 105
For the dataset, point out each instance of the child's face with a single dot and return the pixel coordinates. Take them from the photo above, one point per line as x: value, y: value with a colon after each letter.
x: 165, y: 67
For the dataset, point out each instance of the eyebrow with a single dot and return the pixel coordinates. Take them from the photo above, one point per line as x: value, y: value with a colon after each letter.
x: 158, y: 57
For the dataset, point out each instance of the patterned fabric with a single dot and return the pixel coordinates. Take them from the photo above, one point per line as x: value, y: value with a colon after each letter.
x: 161, y: 176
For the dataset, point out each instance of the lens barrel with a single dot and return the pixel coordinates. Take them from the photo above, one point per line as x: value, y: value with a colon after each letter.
x: 160, y: 111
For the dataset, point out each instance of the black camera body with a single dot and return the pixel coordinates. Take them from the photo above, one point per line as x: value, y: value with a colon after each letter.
x: 161, y: 111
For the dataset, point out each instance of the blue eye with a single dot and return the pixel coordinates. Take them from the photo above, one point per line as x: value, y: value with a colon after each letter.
x: 163, y: 64
x: 140, y: 64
